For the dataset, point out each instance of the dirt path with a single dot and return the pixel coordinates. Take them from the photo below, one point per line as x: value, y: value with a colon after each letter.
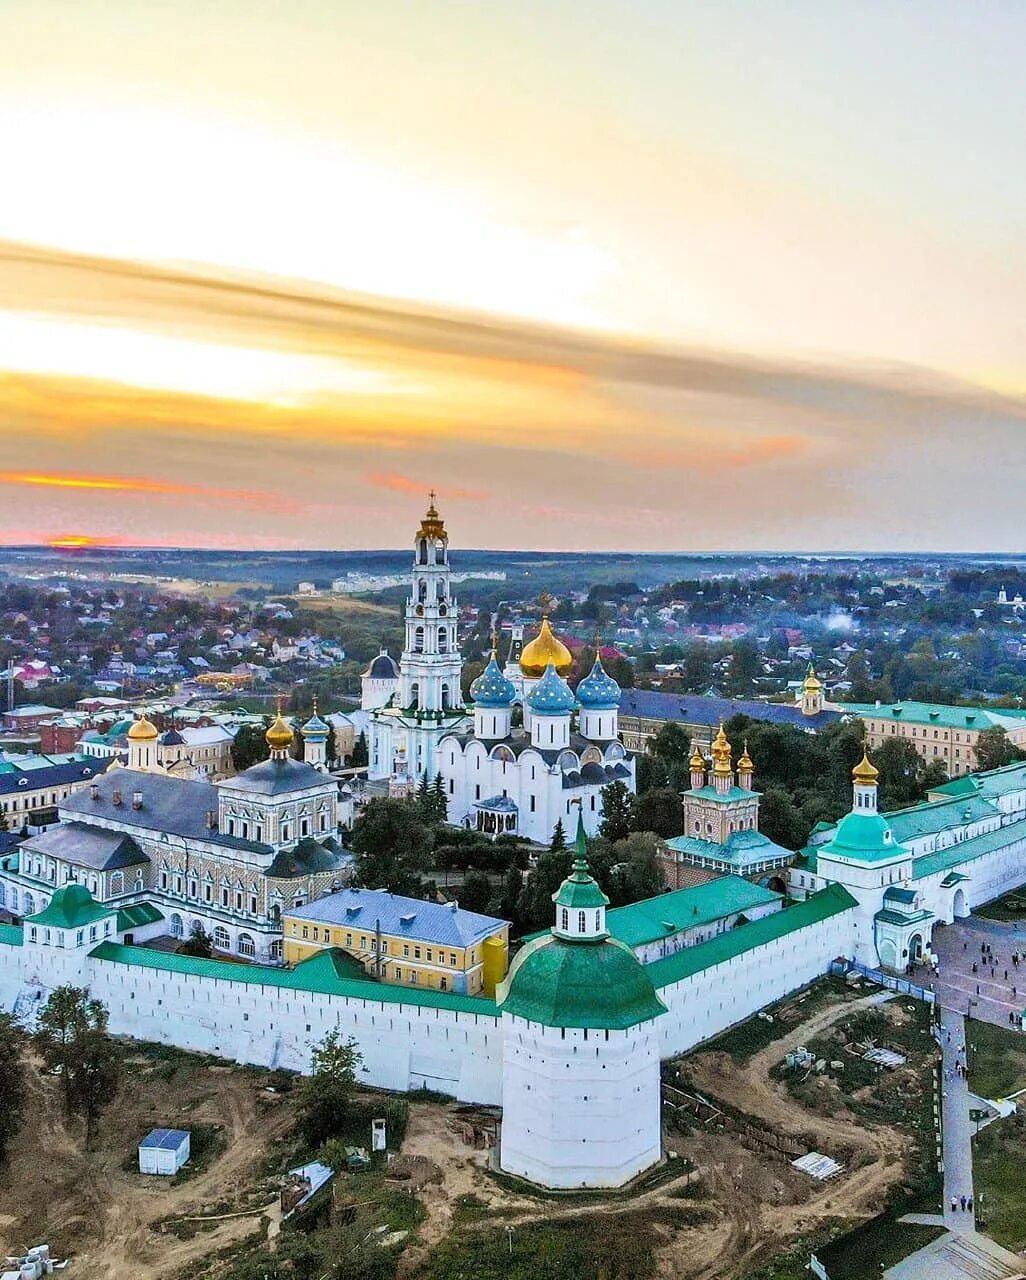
x: 92, y: 1206
x: 754, y: 1206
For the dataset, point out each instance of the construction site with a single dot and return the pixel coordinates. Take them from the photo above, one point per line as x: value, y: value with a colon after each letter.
x: 792, y: 1128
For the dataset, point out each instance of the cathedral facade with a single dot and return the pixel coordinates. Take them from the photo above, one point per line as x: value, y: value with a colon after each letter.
x: 500, y: 777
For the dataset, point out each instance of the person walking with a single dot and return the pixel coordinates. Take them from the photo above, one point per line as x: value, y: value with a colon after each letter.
x: 962, y: 1203
x: 954, y: 1205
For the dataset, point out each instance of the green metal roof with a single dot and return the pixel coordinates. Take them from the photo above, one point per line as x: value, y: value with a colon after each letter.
x: 956, y: 855
x: 329, y: 972
x: 741, y: 850
x: 896, y: 917
x: 11, y: 935
x: 939, y: 815
x: 656, y: 918
x: 732, y: 793
x: 938, y: 715
x: 137, y: 915
x: 71, y: 907
x: 580, y: 889
x: 864, y: 837
x: 599, y: 985
x: 685, y: 963
x: 991, y: 784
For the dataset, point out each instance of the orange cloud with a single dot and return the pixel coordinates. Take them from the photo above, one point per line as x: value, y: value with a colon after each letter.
x: 397, y: 483
x: 133, y: 484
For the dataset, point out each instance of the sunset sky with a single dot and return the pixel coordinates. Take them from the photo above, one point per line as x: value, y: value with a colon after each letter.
x: 669, y: 275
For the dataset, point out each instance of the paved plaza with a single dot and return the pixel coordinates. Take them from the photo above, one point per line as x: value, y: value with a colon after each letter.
x: 986, y: 994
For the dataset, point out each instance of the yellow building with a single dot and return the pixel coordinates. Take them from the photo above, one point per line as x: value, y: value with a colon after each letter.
x: 938, y: 732
x: 404, y: 940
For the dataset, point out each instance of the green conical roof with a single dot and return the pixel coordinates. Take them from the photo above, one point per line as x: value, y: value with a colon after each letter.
x: 580, y: 889
x: 594, y: 984
x: 866, y: 837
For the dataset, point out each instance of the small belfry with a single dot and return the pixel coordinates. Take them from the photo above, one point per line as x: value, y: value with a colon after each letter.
x: 812, y: 693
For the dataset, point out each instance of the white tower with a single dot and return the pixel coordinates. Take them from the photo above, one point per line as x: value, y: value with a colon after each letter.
x: 580, y: 1052
x: 428, y: 700
x: 429, y: 670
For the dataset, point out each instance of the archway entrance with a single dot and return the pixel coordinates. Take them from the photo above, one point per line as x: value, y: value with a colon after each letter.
x: 915, y: 948
x: 961, y: 907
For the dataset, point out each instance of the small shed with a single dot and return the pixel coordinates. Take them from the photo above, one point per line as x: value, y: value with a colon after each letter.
x: 164, y: 1151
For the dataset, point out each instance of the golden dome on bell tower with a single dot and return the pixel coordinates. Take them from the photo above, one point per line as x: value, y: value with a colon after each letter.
x: 721, y: 753
x: 545, y: 648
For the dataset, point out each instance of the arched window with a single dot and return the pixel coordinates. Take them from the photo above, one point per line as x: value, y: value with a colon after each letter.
x: 564, y: 920
x: 276, y: 914
x: 247, y: 947
x: 418, y: 640
x: 422, y: 591
x: 176, y: 926
x: 117, y: 883
x: 3, y: 895
x: 415, y: 694
x: 581, y: 922
x: 422, y: 550
x: 443, y: 640
x: 275, y: 949
x: 28, y: 906
x: 446, y: 697
x: 221, y: 939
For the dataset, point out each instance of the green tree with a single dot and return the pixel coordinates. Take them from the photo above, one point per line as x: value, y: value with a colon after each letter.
x: 905, y: 777
x: 558, y: 844
x: 535, y: 909
x: 650, y: 773
x: 659, y: 811
x: 994, y: 749
x: 360, y: 757
x: 392, y: 847
x: 324, y: 1096
x: 671, y: 744
x: 439, y: 800
x: 72, y: 1039
x: 199, y: 942
x: 617, y: 812
x: 12, y: 1082
x: 331, y: 745
x: 781, y: 820
x: 697, y: 668
x: 476, y: 892
x: 249, y: 746
x: 745, y: 668
x: 424, y: 806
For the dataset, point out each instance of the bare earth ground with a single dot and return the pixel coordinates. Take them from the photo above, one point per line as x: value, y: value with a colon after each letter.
x: 753, y: 1204
x: 757, y: 1204
x: 89, y: 1205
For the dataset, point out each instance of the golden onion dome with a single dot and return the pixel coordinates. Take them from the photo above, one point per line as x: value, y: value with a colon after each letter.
x: 143, y: 730
x: 279, y: 735
x: 865, y: 772
x: 697, y: 760
x: 811, y: 682
x: 544, y: 649
x: 746, y: 764
x: 721, y: 752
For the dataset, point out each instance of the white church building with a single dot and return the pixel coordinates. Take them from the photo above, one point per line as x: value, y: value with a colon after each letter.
x: 499, y: 778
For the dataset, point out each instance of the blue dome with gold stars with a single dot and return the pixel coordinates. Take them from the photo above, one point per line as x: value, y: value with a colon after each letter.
x: 491, y: 688
x: 598, y: 691
x: 551, y: 696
